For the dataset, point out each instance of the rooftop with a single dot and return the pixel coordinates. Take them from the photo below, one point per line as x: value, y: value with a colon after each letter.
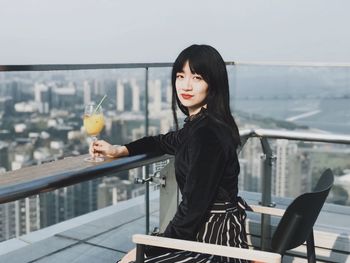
x: 100, y: 236
x: 105, y: 235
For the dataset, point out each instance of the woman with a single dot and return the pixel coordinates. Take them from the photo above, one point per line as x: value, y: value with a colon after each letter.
x: 206, y: 163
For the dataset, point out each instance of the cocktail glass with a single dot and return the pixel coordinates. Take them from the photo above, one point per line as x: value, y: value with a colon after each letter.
x: 93, y: 124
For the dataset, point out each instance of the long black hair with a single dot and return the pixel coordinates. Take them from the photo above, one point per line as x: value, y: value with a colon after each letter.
x: 207, y: 62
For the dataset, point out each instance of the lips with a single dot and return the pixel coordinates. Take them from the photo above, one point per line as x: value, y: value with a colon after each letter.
x: 186, y: 96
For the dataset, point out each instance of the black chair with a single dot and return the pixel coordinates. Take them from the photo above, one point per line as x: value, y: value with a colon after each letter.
x: 296, y: 225
x: 294, y: 228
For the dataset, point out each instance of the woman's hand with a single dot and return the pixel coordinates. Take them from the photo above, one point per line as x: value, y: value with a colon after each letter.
x: 103, y: 148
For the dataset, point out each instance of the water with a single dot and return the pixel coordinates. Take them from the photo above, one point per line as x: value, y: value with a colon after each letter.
x: 328, y: 114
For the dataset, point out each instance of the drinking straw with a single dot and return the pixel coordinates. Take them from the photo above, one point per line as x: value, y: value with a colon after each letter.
x: 99, y: 105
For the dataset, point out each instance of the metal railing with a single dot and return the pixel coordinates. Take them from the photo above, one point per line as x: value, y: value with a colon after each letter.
x: 66, y: 172
x: 21, y: 190
x: 269, y: 158
x: 16, y: 189
x: 16, y: 185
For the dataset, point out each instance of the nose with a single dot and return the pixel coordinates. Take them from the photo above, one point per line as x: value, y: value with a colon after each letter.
x: 187, y: 84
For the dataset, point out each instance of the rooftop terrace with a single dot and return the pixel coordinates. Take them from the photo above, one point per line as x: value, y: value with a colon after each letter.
x: 100, y: 236
x: 105, y: 235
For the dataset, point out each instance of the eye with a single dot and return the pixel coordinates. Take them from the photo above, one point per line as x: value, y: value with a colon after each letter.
x: 179, y: 76
x: 197, y: 77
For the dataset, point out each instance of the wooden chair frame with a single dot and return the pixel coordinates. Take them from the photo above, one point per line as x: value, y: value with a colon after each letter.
x: 218, y: 250
x: 297, y: 220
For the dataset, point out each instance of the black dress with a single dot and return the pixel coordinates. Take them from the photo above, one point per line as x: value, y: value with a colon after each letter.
x: 206, y: 169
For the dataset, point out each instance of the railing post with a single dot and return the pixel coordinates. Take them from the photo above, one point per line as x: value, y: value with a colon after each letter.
x: 268, y: 159
x: 147, y: 201
x: 146, y: 102
x: 169, y: 196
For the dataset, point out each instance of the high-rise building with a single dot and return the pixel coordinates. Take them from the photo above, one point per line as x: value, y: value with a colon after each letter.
x: 68, y: 202
x: 19, y: 217
x: 27, y: 215
x: 57, y: 206
x: 87, y: 92
x: 155, y: 95
x: 85, y: 196
x: 107, y: 193
x: 118, y: 132
x: 65, y: 97
x: 7, y: 221
x: 43, y: 97
x: 251, y: 158
x: 4, y: 155
x: 305, y: 172
x: 292, y: 173
x: 135, y: 96
x: 120, y: 95
x: 6, y: 106
x: 15, y: 92
x: 114, y: 189
x: 128, y: 97
x: 98, y: 87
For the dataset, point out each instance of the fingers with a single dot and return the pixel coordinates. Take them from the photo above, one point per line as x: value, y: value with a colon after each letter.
x: 99, y: 148
x: 99, y: 143
x: 91, y: 149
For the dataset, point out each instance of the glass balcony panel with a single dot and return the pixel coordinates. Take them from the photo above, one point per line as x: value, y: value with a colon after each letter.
x: 40, y: 121
x: 305, y: 98
x: 293, y: 97
x: 297, y: 168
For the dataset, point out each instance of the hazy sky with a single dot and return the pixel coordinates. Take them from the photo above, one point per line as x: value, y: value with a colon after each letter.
x: 116, y: 31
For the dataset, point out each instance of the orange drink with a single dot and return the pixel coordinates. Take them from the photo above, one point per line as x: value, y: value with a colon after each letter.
x: 94, y: 124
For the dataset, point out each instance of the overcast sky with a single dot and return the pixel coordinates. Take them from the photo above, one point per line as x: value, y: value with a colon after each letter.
x: 116, y: 31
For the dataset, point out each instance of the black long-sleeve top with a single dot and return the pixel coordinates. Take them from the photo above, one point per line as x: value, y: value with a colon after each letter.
x: 206, y: 169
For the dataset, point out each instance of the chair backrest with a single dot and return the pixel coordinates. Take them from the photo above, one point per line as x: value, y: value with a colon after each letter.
x: 300, y: 216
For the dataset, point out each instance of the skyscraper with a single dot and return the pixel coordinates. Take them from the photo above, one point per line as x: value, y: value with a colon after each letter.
x: 87, y: 92
x: 7, y: 221
x: 65, y: 96
x: 292, y: 171
x: 252, y: 165
x: 128, y: 97
x: 135, y: 96
x: 120, y: 95
x: 19, y: 217
x: 4, y: 153
x: 6, y: 106
x: 43, y: 97
x: 107, y: 193
x: 155, y: 94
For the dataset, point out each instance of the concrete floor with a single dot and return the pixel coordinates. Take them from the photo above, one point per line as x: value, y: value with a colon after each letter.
x: 100, y: 236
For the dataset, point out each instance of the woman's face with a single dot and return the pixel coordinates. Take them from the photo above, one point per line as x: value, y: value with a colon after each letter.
x: 191, y: 89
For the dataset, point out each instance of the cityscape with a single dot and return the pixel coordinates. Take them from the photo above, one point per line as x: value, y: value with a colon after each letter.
x: 41, y: 121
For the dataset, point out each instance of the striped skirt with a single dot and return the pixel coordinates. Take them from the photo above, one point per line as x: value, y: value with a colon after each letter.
x: 225, y: 225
